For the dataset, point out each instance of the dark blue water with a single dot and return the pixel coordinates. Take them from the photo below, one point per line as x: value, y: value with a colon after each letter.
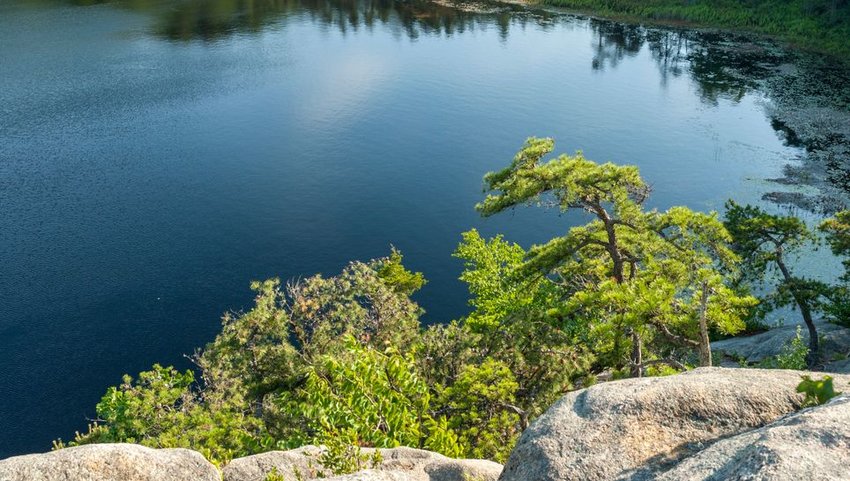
x: 156, y: 156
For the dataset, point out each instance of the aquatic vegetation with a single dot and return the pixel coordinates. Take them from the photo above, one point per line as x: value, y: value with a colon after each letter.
x: 820, y: 25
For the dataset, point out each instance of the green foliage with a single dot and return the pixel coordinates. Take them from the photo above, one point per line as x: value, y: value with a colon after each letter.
x: 342, y: 454
x: 820, y: 25
x: 757, y: 235
x: 512, y: 322
x: 792, y: 356
x: 481, y: 404
x: 275, y: 372
x: 629, y: 276
x: 343, y: 361
x: 837, y: 308
x: 837, y: 230
x: 397, y: 277
x: 488, y: 268
x: 367, y: 398
x: 159, y: 409
x: 573, y: 181
x: 274, y: 475
x: 509, y: 359
x: 837, y: 233
x: 764, y: 241
x: 661, y: 370
x: 817, y: 391
x: 271, y: 348
x: 141, y: 409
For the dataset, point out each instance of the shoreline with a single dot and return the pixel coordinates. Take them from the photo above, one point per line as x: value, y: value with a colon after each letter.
x: 815, y: 119
x: 839, y: 54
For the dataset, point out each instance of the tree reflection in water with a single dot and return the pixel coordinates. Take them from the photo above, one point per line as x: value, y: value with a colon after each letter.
x: 808, y: 97
x: 722, y: 66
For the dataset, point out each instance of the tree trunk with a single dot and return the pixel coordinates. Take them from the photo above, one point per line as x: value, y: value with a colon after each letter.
x: 637, y: 355
x: 805, y: 310
x: 705, y: 343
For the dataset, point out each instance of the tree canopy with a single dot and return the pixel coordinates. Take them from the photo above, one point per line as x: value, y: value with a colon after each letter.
x: 629, y: 276
x: 343, y: 361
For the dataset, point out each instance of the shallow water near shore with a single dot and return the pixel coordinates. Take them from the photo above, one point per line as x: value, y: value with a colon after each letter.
x: 156, y: 156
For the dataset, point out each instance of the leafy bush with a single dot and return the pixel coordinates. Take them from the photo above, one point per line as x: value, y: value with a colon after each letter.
x: 337, y: 361
x: 161, y: 409
x: 368, y: 398
x: 661, y: 370
x: 342, y: 454
x: 343, y: 361
x: 794, y: 355
x: 274, y: 475
x: 295, y: 369
x: 817, y: 391
x: 482, y: 411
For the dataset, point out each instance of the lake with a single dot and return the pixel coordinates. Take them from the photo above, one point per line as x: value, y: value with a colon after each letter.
x: 156, y: 156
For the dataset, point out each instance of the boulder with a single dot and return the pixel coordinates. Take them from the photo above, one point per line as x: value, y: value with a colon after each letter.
x: 375, y: 475
x: 404, y: 459
x: 813, y: 444
x: 110, y: 462
x: 397, y: 464
x: 842, y: 366
x: 302, y: 462
x: 639, y: 428
x: 463, y: 470
x: 755, y: 348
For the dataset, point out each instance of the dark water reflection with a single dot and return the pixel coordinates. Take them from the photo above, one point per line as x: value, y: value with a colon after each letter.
x: 809, y: 97
x: 155, y: 156
x: 722, y: 65
x: 211, y: 20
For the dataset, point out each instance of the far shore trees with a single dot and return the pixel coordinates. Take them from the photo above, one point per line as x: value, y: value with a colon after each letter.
x: 630, y: 276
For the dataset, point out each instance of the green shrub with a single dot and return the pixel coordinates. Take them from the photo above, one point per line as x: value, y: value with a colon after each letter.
x: 821, y: 25
x: 659, y: 370
x: 817, y: 391
x: 365, y: 397
x: 342, y: 454
x: 274, y: 475
x: 793, y: 355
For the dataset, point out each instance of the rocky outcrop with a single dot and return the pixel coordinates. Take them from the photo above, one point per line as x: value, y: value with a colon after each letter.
x: 640, y: 429
x: 463, y: 470
x: 110, y: 462
x: 131, y: 462
x: 397, y: 464
x: 841, y: 366
x: 375, y: 475
x: 706, y: 424
x: 835, y: 342
x: 813, y: 444
x: 294, y: 464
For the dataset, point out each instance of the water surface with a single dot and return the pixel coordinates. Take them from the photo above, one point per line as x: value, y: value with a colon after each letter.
x: 156, y: 156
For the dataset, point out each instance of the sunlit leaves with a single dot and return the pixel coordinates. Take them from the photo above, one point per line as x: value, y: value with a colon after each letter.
x: 765, y: 241
x: 817, y: 391
x: 161, y: 409
x: 628, y: 274
x: 377, y: 398
x: 479, y: 406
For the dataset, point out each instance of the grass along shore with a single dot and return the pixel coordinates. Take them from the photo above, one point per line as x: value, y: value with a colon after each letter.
x: 815, y: 25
